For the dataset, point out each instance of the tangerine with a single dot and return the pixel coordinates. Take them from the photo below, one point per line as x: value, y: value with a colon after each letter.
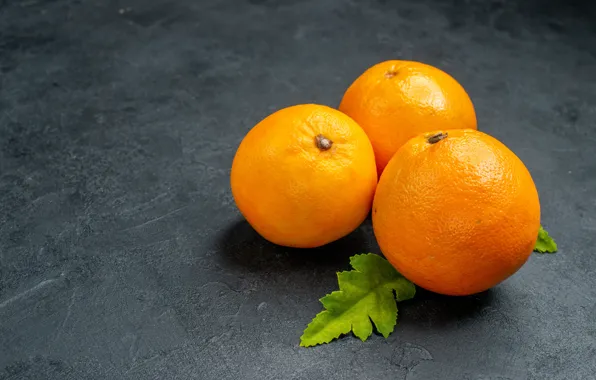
x: 456, y: 212
x: 304, y: 176
x: 395, y: 100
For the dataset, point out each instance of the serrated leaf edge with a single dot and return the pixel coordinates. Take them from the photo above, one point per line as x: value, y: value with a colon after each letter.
x: 302, y: 344
x: 538, y: 250
x: 395, y: 296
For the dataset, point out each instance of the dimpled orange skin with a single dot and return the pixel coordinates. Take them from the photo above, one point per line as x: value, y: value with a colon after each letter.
x: 394, y: 101
x: 296, y: 194
x: 456, y: 217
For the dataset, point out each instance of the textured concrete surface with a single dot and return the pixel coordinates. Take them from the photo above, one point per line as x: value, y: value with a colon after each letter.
x: 122, y: 255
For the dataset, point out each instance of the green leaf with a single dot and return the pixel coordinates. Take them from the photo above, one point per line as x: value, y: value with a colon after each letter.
x: 366, y: 293
x: 545, y: 243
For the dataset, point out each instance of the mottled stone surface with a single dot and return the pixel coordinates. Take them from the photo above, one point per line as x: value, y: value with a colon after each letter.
x: 122, y: 255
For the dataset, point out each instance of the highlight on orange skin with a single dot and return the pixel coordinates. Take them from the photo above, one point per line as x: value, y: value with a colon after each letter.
x: 395, y: 100
x: 304, y: 176
x: 456, y: 212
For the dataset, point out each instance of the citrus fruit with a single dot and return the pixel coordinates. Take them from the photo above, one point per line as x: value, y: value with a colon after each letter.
x: 456, y: 212
x: 394, y: 101
x: 304, y: 176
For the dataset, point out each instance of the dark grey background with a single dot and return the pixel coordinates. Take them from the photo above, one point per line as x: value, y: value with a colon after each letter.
x: 122, y: 255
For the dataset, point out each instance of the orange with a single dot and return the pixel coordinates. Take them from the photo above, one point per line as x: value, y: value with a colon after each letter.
x: 456, y: 212
x: 304, y: 176
x: 394, y: 101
